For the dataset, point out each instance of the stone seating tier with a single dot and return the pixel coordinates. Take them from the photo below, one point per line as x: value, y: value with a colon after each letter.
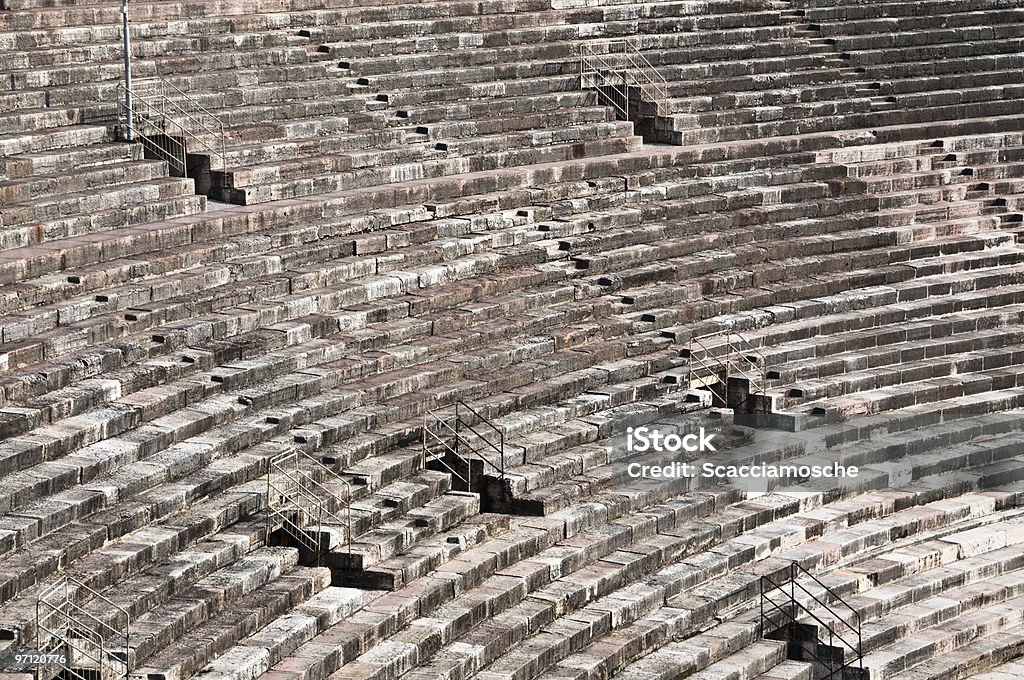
x: 498, y: 237
x: 533, y: 647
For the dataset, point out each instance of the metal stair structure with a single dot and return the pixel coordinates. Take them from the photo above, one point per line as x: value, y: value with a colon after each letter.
x: 732, y: 376
x: 170, y: 125
x: 452, y: 442
x: 833, y: 647
x: 74, y: 644
x: 304, y: 509
x: 622, y: 77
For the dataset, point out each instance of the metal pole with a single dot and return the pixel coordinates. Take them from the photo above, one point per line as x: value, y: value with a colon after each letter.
x: 761, y: 602
x: 129, y: 131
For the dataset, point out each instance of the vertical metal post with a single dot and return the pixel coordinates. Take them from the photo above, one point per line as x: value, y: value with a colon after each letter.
x: 831, y: 653
x: 270, y: 501
x: 348, y: 518
x: 625, y: 93
x: 129, y: 131
x: 761, y: 602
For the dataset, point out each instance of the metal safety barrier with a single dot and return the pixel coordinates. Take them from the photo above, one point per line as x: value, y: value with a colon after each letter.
x: 169, y: 122
x: 615, y: 68
x: 87, y: 646
x: 302, y: 506
x: 782, y: 608
x: 741, y: 358
x: 444, y: 435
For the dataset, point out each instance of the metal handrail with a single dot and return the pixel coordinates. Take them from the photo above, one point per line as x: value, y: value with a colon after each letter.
x: 618, y: 97
x: 293, y: 527
x: 325, y: 493
x: 454, y: 430
x: 294, y: 530
x: 458, y: 438
x: 217, y: 127
x: 759, y: 382
x: 734, y: 349
x: 141, y: 120
x: 796, y: 570
x: 442, y: 461
x: 703, y: 364
x: 67, y: 611
x: 641, y: 65
x: 168, y: 85
x: 799, y: 569
x: 749, y: 345
x: 481, y: 419
x: 305, y: 494
x: 832, y: 670
x: 455, y: 433
x: 644, y: 75
x: 828, y: 625
x: 651, y: 80
x: 170, y: 112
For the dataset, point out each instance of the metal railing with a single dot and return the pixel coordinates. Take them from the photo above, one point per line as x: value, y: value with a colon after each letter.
x: 792, y: 609
x: 444, y: 435
x: 739, y: 351
x: 714, y: 369
x: 615, y: 67
x: 301, y: 505
x: 65, y: 629
x: 167, y: 116
x: 736, y: 361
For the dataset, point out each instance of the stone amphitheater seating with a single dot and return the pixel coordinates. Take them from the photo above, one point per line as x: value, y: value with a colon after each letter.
x: 434, y: 214
x: 844, y: 66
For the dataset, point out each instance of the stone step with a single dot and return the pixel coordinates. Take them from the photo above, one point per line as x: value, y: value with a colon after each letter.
x: 908, y: 372
x: 788, y: 670
x: 849, y: 311
x: 361, y: 65
x: 389, y: 503
x: 1002, y: 670
x: 432, y: 553
x: 922, y: 391
x: 994, y: 624
x: 923, y: 467
x: 860, y: 350
x: 131, y: 547
x: 86, y: 213
x: 910, y: 38
x: 392, y: 538
x: 14, y: 192
x: 757, y: 660
x: 425, y: 169
x: 46, y: 118
x: 473, y: 568
x: 281, y: 160
x: 604, y: 551
x: 286, y: 634
x: 258, y: 613
x: 87, y: 253
x: 819, y: 124
x: 157, y: 623
x: 719, y: 269
x: 36, y: 141
x: 64, y: 160
x: 193, y: 455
